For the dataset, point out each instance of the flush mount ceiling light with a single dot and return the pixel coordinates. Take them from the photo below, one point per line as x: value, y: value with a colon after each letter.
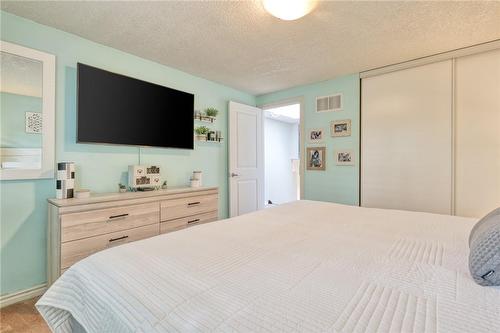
x: 289, y: 9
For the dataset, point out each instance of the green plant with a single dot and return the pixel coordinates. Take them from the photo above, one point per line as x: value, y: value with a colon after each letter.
x: 122, y: 186
x: 211, y: 112
x: 202, y: 130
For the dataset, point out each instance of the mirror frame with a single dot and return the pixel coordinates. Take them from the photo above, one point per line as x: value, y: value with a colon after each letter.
x: 48, y: 113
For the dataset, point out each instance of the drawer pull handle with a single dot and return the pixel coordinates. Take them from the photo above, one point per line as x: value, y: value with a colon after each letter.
x: 194, y: 221
x: 193, y: 203
x: 115, y: 217
x: 117, y: 239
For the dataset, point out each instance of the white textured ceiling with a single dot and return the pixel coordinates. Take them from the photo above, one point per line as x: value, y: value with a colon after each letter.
x: 238, y: 44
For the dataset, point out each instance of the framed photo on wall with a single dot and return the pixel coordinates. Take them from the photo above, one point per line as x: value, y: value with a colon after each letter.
x: 344, y: 157
x: 315, y: 135
x: 340, y: 128
x: 316, y: 158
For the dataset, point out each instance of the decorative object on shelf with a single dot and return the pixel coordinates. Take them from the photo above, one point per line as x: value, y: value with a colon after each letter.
x: 82, y: 194
x: 344, y: 157
x: 33, y: 122
x: 340, y: 128
x: 213, y: 136
x: 207, y: 116
x: 203, y: 117
x: 198, y: 175
x: 316, y: 158
x: 164, y: 185
x: 122, y: 188
x: 65, y: 182
x: 201, y: 133
x: 143, y: 176
x: 211, y: 112
x: 315, y: 135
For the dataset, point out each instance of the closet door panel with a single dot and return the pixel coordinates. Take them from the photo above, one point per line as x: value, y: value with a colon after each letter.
x: 477, y: 169
x: 406, y: 133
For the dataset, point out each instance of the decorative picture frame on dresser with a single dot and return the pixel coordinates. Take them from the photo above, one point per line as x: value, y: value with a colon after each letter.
x: 81, y: 227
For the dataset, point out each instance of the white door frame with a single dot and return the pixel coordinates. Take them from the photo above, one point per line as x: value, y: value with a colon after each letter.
x: 285, y: 102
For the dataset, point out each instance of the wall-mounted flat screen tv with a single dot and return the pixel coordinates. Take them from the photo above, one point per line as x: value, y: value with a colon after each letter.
x: 116, y: 109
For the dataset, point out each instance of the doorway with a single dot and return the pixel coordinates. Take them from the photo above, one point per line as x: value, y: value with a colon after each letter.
x: 282, y: 152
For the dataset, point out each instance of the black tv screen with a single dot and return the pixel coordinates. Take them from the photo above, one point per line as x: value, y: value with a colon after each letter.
x: 116, y: 109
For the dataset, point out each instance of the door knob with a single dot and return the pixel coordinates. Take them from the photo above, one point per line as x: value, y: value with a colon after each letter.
x: 234, y: 174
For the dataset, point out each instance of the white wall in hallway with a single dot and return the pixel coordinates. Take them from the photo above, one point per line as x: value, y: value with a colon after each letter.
x: 281, y: 145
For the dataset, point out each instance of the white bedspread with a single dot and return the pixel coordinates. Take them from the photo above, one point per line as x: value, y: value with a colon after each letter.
x: 305, y: 266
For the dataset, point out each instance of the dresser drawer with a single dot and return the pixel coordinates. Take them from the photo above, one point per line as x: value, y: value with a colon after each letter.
x: 178, y: 224
x: 177, y: 208
x: 74, y: 251
x: 102, y: 221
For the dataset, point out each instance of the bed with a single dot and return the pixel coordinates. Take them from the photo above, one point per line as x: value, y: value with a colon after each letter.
x: 305, y: 266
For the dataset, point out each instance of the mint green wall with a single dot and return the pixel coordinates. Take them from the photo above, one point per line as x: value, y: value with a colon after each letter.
x: 99, y: 167
x: 337, y: 183
x: 12, y: 118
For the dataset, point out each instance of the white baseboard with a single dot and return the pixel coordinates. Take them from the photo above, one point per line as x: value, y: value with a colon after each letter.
x: 22, y: 295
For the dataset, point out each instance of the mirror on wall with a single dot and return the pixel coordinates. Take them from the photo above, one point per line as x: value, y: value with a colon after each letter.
x: 27, y: 103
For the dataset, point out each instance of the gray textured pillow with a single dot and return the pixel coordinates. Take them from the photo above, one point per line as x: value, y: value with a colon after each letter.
x: 484, y: 244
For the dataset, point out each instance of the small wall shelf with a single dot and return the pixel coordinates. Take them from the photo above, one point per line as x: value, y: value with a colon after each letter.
x: 205, y: 119
x: 210, y: 141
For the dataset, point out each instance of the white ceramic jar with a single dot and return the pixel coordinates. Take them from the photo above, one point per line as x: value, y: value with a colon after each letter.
x: 197, y: 175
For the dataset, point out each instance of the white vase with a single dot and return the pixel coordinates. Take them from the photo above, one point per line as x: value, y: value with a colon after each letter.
x: 198, y: 176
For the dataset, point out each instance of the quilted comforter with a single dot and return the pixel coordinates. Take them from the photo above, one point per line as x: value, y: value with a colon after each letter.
x: 300, y: 267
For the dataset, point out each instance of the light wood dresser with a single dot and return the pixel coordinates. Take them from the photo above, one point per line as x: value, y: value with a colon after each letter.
x: 81, y: 227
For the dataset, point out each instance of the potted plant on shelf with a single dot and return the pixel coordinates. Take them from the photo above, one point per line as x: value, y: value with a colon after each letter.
x: 201, y: 133
x: 211, y: 112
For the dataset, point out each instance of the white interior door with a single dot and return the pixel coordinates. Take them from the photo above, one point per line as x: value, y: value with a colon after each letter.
x: 246, y: 159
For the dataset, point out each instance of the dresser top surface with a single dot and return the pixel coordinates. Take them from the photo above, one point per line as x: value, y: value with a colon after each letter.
x: 116, y: 196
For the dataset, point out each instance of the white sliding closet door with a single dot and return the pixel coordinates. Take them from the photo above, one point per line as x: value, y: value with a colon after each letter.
x: 477, y: 169
x: 406, y: 133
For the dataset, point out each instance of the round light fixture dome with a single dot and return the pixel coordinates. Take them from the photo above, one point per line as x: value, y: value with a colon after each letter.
x: 289, y: 9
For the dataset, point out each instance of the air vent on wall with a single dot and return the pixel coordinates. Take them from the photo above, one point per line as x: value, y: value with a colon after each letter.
x: 329, y: 103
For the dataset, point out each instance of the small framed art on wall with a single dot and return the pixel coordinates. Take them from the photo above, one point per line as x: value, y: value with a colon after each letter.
x: 316, y: 158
